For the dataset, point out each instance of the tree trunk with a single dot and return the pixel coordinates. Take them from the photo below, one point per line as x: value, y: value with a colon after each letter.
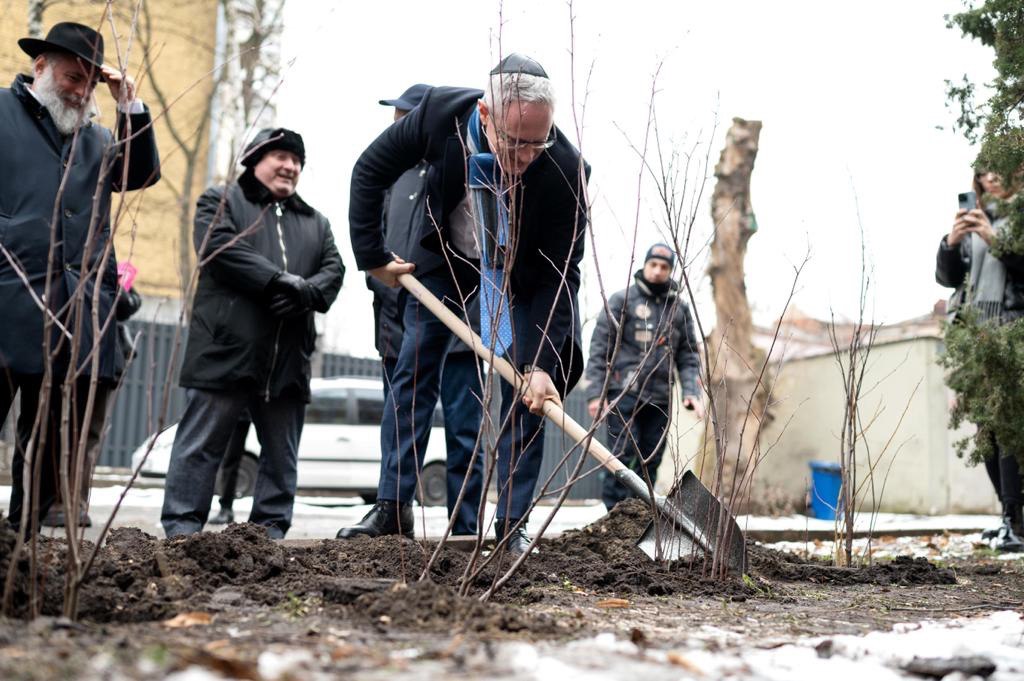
x: 36, y: 8
x: 737, y: 399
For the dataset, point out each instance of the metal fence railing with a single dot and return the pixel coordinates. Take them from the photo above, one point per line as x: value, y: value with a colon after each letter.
x: 153, y: 373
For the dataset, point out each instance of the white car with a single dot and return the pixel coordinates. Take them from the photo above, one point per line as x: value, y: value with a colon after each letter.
x: 339, y: 450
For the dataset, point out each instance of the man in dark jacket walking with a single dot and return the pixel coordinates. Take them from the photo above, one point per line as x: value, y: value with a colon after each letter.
x: 461, y: 389
x: 540, y: 186
x: 60, y: 169
x: 642, y: 339
x: 267, y: 263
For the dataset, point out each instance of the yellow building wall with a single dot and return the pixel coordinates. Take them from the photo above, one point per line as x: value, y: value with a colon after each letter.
x: 181, y: 42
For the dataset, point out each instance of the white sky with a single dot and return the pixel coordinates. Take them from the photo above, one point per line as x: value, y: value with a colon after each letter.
x: 850, y: 95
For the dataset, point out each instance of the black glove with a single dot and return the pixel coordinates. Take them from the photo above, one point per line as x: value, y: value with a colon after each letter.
x: 290, y: 295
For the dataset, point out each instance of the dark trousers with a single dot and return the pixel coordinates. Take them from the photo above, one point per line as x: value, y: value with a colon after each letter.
x: 1004, y: 472
x: 104, y: 401
x: 461, y: 401
x: 232, y: 460
x: 412, y: 388
x: 636, y: 433
x: 520, y: 454
x: 200, y: 443
x: 46, y: 461
x: 461, y: 404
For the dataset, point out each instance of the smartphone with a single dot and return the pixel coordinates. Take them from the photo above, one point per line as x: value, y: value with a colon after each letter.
x: 968, y: 200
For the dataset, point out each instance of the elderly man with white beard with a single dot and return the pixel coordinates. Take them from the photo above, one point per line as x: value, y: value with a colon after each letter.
x: 57, y: 263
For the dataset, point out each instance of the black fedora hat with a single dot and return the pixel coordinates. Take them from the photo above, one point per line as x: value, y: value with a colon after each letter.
x: 67, y: 36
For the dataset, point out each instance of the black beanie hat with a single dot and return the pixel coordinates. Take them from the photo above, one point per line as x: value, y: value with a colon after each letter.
x: 662, y: 252
x: 270, y: 139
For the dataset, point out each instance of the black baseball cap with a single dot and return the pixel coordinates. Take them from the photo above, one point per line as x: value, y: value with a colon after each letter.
x: 410, y: 99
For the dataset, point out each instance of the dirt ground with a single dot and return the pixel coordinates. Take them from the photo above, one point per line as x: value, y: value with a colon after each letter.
x: 353, y: 606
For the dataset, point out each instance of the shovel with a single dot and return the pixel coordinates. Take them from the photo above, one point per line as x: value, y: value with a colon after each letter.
x: 690, y: 521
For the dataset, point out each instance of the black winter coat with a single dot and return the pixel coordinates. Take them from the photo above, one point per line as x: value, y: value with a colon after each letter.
x: 953, y: 268
x: 405, y: 206
x: 234, y: 342
x: 655, y: 336
x: 34, y: 155
x: 552, y: 226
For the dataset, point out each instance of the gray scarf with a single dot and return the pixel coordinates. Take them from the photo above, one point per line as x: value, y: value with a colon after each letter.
x: 988, y: 277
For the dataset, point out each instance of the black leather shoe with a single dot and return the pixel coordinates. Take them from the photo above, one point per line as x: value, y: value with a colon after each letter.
x: 518, y: 542
x: 385, y: 518
x: 225, y: 516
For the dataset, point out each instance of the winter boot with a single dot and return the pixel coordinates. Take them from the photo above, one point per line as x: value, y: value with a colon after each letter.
x: 1007, y: 539
x: 385, y: 518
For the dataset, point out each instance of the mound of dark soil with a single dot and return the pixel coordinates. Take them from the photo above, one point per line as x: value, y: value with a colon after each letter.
x: 902, y: 571
x: 137, y: 577
x: 603, y: 557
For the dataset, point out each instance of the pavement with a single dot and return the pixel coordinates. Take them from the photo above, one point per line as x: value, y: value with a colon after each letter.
x: 319, y: 517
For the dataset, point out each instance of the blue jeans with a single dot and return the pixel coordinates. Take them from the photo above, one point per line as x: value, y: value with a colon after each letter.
x: 199, y: 445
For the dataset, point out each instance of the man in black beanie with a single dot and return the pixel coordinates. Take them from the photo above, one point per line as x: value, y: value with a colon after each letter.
x: 267, y: 263
x: 643, y: 339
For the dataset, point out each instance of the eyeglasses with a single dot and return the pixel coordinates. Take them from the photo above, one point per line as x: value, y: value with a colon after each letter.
x: 515, y: 144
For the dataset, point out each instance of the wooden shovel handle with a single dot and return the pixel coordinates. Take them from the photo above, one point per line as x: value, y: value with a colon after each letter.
x: 552, y: 411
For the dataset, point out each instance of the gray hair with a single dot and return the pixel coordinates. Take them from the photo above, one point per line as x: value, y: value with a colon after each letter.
x: 504, y: 88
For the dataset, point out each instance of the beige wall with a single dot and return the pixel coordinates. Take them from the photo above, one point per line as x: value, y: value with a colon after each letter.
x: 183, y: 35
x: 913, y: 452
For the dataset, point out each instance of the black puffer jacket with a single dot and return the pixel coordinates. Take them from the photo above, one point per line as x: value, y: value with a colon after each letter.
x: 35, y: 158
x: 234, y: 342
x: 656, y: 337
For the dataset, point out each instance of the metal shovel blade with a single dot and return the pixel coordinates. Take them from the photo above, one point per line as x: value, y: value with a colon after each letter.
x: 687, y: 526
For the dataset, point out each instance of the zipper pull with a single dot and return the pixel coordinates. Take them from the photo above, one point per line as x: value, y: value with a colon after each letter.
x: 277, y: 209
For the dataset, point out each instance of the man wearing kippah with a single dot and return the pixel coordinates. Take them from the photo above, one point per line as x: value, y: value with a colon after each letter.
x: 462, y: 371
x: 506, y: 212
x: 57, y: 264
x: 267, y: 263
x: 643, y: 339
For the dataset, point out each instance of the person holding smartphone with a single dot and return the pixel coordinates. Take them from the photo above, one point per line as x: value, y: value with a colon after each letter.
x: 994, y: 288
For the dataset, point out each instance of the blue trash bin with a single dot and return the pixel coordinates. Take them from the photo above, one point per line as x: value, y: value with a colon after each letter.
x: 825, y: 483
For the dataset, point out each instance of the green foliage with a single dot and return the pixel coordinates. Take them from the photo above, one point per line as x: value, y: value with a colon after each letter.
x: 998, y: 24
x: 1010, y: 237
x: 985, y: 363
